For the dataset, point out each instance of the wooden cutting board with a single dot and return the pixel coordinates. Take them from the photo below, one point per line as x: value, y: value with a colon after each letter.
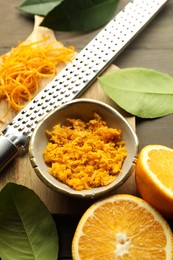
x: 20, y: 170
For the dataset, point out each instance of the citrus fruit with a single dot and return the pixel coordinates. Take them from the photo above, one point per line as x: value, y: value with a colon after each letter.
x: 122, y: 227
x: 154, y: 177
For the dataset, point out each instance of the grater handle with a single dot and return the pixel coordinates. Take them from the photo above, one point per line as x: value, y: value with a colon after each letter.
x: 11, y: 144
x: 8, y: 151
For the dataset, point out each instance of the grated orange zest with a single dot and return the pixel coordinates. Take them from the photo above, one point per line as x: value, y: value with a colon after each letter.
x: 22, y: 69
x: 85, y: 155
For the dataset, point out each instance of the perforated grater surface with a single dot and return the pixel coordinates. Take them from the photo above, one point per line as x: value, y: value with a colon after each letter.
x: 78, y: 74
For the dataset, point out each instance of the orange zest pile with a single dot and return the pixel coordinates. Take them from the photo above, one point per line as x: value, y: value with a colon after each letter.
x: 22, y: 69
x: 85, y: 155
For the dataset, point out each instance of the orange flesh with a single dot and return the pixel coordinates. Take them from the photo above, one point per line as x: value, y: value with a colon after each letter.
x: 160, y: 163
x: 112, y: 227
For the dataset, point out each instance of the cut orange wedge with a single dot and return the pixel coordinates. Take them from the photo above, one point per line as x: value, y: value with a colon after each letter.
x: 122, y: 227
x: 154, y: 177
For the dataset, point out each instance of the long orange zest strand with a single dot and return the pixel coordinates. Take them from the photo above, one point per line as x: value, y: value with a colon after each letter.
x: 23, y: 68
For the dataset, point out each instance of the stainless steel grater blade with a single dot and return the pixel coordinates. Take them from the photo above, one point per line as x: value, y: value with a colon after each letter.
x: 79, y: 74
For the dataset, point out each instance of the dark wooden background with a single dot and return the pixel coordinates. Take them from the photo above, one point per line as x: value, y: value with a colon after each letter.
x: 153, y: 48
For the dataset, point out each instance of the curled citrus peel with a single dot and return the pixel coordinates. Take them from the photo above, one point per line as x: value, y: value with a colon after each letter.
x: 25, y: 66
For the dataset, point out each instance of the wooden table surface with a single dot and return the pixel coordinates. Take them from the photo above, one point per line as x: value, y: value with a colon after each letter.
x: 153, y: 48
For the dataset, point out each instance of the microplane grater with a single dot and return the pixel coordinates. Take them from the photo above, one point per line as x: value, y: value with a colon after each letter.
x: 78, y: 74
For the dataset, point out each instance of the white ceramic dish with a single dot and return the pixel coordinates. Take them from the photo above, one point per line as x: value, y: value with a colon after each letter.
x: 82, y: 108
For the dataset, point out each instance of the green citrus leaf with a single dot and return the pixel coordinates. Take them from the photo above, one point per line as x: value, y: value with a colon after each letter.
x: 39, y: 7
x: 77, y: 15
x: 27, y: 229
x: 145, y: 93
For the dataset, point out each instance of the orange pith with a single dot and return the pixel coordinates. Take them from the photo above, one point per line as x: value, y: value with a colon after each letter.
x: 122, y: 227
x: 154, y: 177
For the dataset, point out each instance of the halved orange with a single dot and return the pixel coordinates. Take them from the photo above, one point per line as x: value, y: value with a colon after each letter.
x: 154, y: 177
x: 122, y: 227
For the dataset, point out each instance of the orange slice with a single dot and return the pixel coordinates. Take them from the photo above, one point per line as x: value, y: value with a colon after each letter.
x: 154, y: 177
x: 122, y: 227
